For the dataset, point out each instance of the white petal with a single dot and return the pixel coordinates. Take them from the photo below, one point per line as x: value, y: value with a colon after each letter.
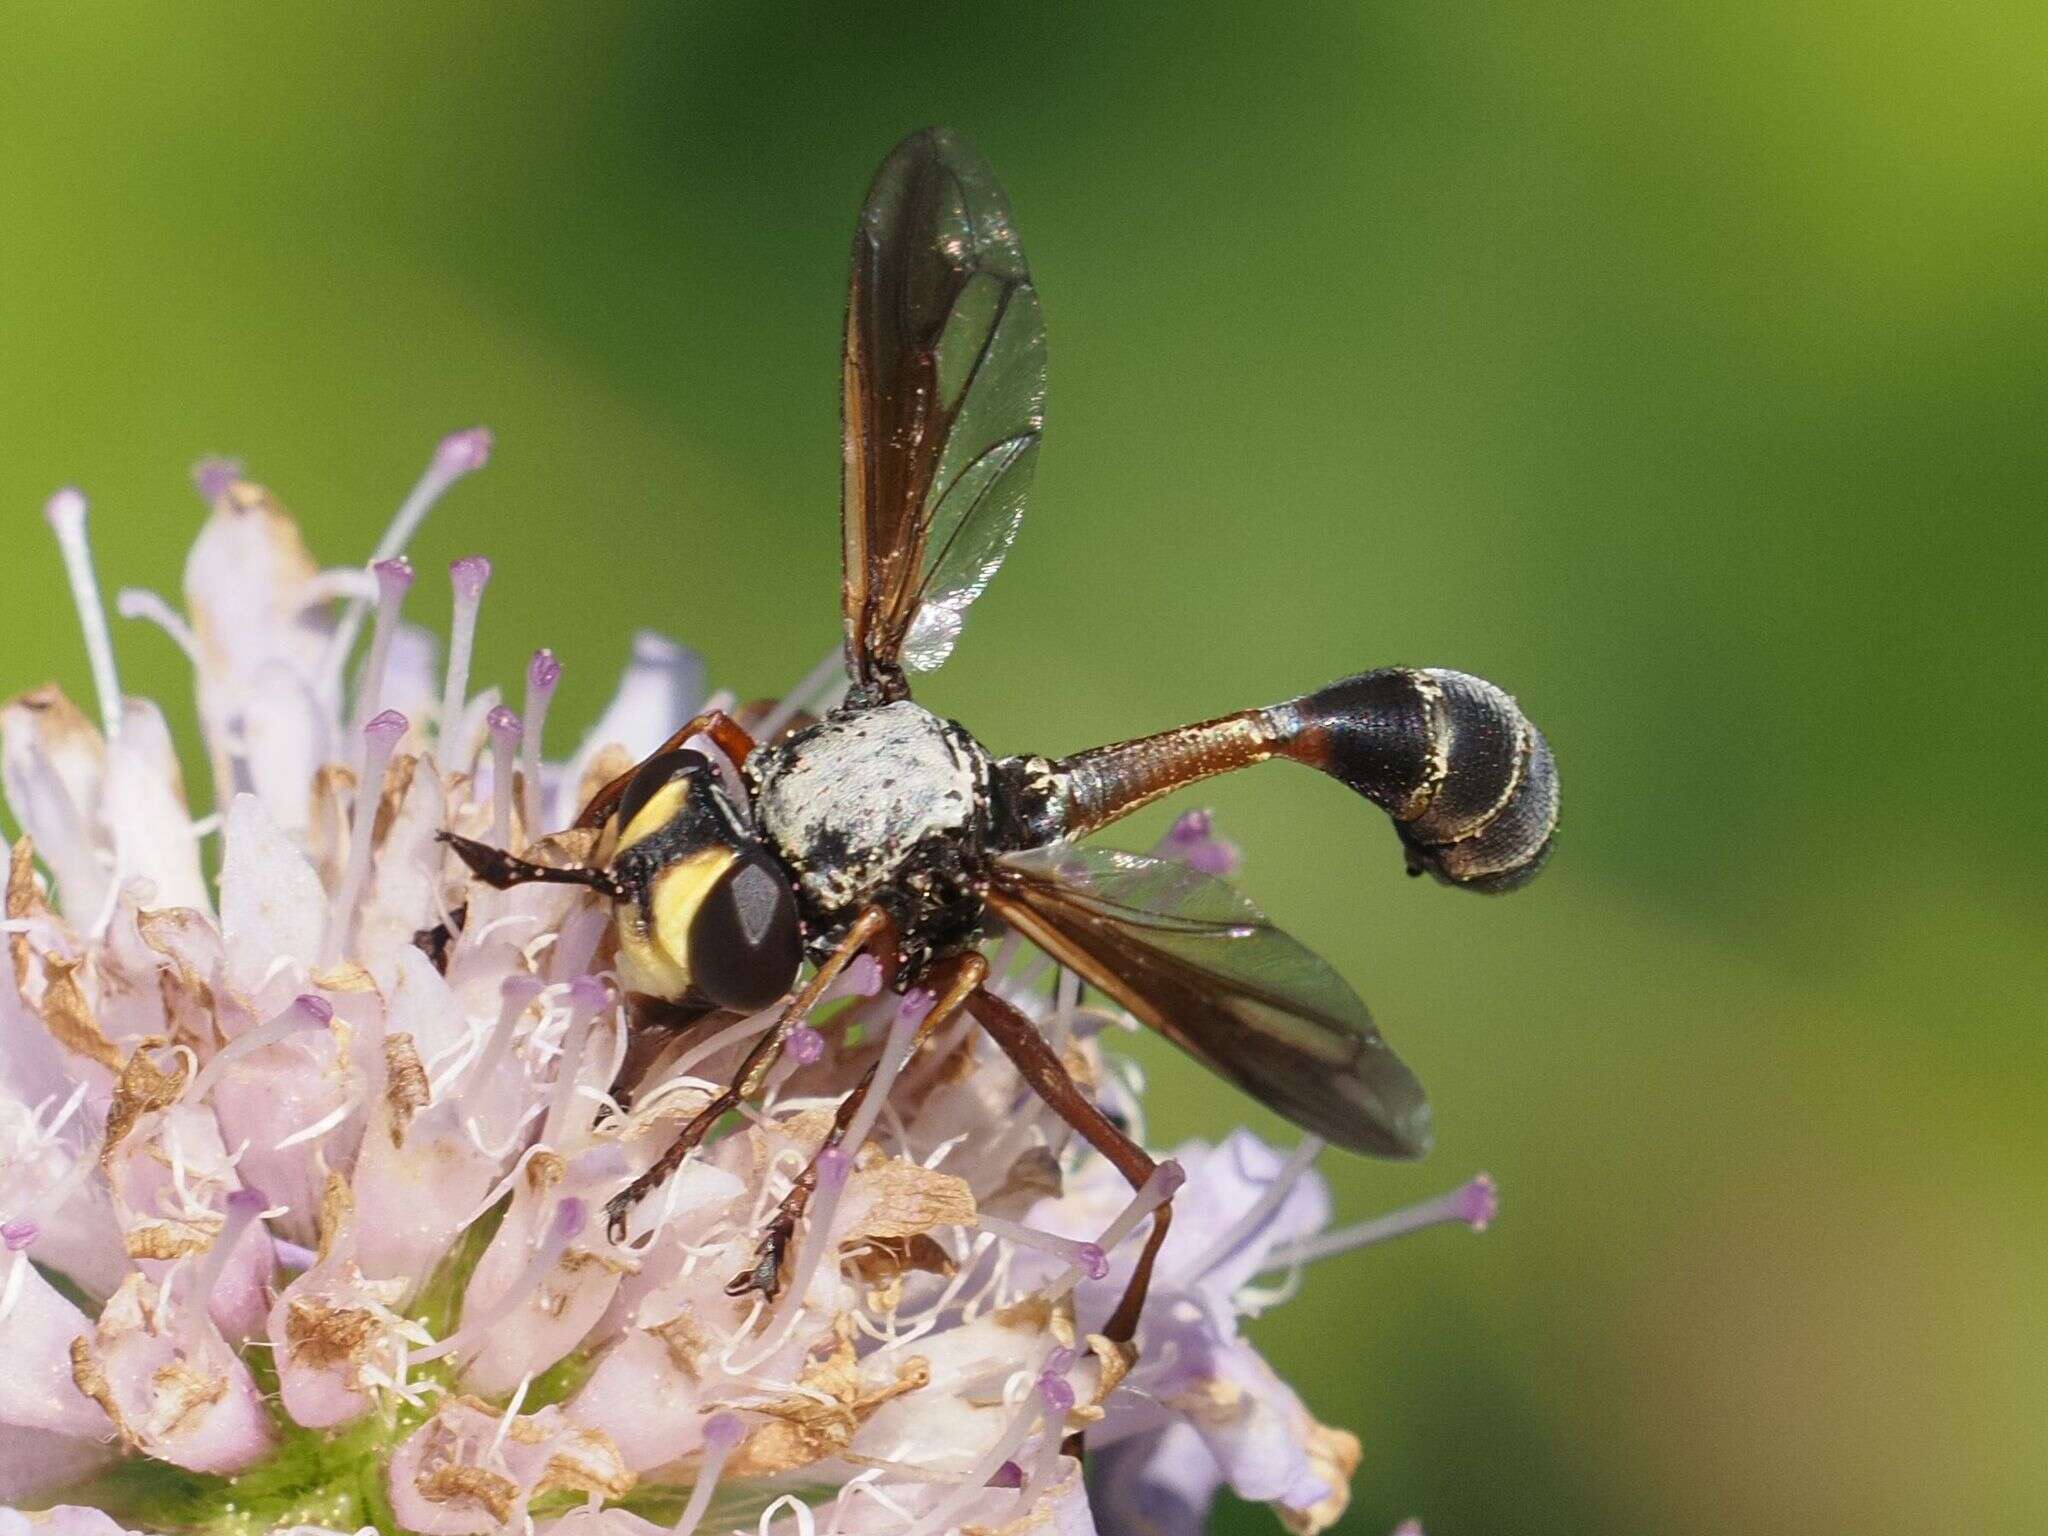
x: 1162, y: 1484
x: 262, y: 1099
x: 171, y: 1176
x: 287, y: 733
x: 78, y: 1236
x: 1223, y: 1182
x: 145, y: 815
x: 653, y: 1410
x: 36, y: 1389
x: 32, y: 1067
x: 245, y: 583
x: 420, y: 1002
x: 52, y: 767
x: 329, y: 1329
x: 405, y: 896
x: 272, y: 906
x: 413, y: 1199
x: 32, y: 1463
x: 551, y: 1319
x: 604, y: 1521
x: 538, y: 1451
x: 184, y: 1396
x: 1254, y: 1426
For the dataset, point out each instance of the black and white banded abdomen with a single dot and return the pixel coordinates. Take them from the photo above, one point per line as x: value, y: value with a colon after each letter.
x: 1468, y: 780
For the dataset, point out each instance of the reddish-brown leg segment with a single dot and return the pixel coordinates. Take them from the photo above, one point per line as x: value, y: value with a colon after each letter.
x: 951, y: 982
x: 1050, y: 1080
x: 715, y: 723
x: 871, y: 928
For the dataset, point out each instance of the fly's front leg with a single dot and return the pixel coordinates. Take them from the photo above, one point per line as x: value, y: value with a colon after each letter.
x: 499, y: 869
x: 1049, y: 1079
x: 953, y: 982
x: 715, y: 723
x: 872, y: 928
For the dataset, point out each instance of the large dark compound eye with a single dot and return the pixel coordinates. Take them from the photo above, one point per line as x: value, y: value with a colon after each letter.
x: 653, y: 775
x: 745, y: 944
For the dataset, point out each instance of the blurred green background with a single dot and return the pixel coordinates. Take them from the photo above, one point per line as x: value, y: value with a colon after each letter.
x: 1681, y: 368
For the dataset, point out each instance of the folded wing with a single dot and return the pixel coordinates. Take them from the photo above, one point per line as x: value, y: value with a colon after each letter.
x: 1197, y: 961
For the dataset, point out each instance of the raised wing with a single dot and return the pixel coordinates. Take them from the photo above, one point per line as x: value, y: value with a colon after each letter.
x: 1198, y: 962
x: 944, y: 404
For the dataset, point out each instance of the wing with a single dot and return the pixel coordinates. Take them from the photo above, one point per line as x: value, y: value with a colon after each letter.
x: 944, y: 404
x: 1198, y: 962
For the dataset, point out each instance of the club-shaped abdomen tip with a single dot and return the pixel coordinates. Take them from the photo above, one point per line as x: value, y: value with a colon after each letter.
x: 1468, y: 780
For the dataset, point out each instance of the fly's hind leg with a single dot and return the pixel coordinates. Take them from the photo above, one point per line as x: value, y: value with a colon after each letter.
x: 871, y: 930
x: 952, y: 982
x: 1048, y: 1077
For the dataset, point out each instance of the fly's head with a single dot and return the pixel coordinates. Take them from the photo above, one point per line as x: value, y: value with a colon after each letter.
x: 705, y: 912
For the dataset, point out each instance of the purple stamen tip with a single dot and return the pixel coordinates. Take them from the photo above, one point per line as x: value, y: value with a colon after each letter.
x: 469, y: 575
x: 587, y: 992
x: 1213, y: 857
x: 543, y: 672
x: 1171, y: 1176
x: 916, y: 1007
x: 211, y: 477
x: 67, y: 506
x: 833, y: 1165
x: 570, y: 1216
x: 247, y: 1202
x: 462, y: 452
x: 18, y: 1232
x: 385, y: 729
x: 863, y: 977
x: 1058, y: 1396
x: 393, y: 576
x: 1060, y: 1361
x: 1478, y: 1202
x: 1192, y: 827
x: 1094, y: 1262
x: 1008, y: 1475
x: 505, y: 725
x: 316, y: 1009
x: 723, y: 1431
x: 805, y: 1045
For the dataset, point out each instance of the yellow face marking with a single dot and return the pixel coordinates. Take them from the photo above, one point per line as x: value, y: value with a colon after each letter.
x: 662, y: 807
x: 654, y: 946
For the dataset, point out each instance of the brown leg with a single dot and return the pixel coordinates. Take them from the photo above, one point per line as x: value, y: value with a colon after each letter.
x: 1050, y: 1080
x: 872, y: 926
x: 952, y: 981
x: 732, y: 741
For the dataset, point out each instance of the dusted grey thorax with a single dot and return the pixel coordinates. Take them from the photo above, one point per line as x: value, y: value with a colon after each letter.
x: 883, y: 804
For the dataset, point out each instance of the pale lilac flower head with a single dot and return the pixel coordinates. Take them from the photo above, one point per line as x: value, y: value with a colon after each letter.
x: 306, y: 1139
